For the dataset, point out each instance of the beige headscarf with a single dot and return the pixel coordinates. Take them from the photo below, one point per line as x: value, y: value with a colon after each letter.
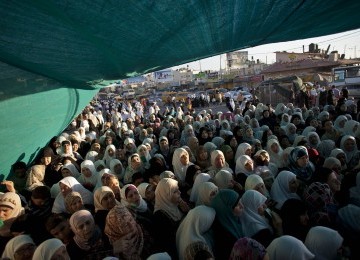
x: 14, y: 244
x: 35, y: 177
x: 11, y: 200
x: 99, y: 194
x: 47, y: 249
x: 163, y: 193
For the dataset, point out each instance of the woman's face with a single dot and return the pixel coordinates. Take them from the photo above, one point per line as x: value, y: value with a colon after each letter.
x: 65, y: 173
x: 292, y: 130
x: 133, y: 197
x: 313, y: 139
x: 135, y: 162
x: 248, y: 151
x: 274, y: 148
x: 118, y: 168
x: 204, y: 134
x: 85, y: 228
x: 238, y: 209
x: 108, y: 201
x: 296, y: 121
x: 314, y: 123
x: 24, y: 252
x: 77, y: 205
x: 304, y: 219
x: 249, y: 132
x: 111, y: 152
x: 219, y: 161
x: 229, y: 154
x: 249, y: 165
x: 203, y: 155
x: 46, y: 160
x: 293, y: 185
x: 261, y: 209
x: 5, y: 212
x: 65, y: 190
x: 142, y: 151
x: 184, y: 159
x: 349, y: 145
x: 342, y: 158
x: 150, y: 192
x: 342, y: 123
x: 233, y: 142
x: 260, y: 188
x: 302, y: 161
x: 114, y: 185
x: 175, y: 196
x: 86, y: 171
x: 333, y: 182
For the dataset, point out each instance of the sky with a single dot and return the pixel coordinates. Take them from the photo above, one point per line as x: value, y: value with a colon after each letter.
x: 346, y: 42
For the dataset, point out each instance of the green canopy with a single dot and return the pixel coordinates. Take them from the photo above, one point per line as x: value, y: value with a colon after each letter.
x: 54, y: 55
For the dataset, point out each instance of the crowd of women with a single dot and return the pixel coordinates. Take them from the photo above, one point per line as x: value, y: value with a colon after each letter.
x: 257, y: 183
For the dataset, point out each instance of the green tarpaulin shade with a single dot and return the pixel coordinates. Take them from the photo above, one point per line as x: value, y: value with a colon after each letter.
x: 54, y: 55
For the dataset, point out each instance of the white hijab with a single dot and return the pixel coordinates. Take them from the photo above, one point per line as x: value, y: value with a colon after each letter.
x: 323, y: 242
x: 47, y: 249
x: 200, y: 178
x: 163, y: 193
x: 252, y: 221
x: 280, y: 191
x: 71, y: 182
x: 288, y: 247
x: 195, y: 227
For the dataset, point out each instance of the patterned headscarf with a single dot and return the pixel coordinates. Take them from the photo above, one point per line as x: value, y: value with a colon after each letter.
x: 124, y: 233
x: 85, y: 243
x: 70, y: 199
x: 247, y: 249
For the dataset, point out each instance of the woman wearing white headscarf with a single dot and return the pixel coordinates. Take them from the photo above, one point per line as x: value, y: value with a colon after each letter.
x: 70, y: 170
x: 244, y: 167
x: 206, y: 192
x: 67, y: 185
x: 180, y: 162
x: 224, y: 180
x: 51, y: 249
x: 218, y: 163
x: 290, y: 130
x: 284, y: 188
x: 167, y: 215
x: 104, y: 201
x: 117, y: 168
x: 285, y: 119
x: 253, y: 220
x: 195, y: 227
x: 288, y: 247
x: 255, y: 182
x: 134, y: 165
x: 19, y: 247
x: 313, y: 140
x: 87, y: 239
x: 348, y: 145
x: 89, y: 176
x: 275, y: 152
x: 324, y: 243
x: 144, y: 155
x: 340, y: 123
x: 350, y: 127
x: 109, y: 154
x: 243, y: 149
x: 200, y: 178
x: 10, y: 206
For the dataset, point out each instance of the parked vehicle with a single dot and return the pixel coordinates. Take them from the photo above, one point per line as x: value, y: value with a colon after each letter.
x: 128, y: 94
x: 235, y: 93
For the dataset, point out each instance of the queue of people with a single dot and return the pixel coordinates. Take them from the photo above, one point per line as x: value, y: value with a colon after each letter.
x: 125, y: 182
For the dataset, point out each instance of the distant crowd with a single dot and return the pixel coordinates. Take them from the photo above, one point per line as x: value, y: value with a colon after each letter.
x: 130, y: 181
